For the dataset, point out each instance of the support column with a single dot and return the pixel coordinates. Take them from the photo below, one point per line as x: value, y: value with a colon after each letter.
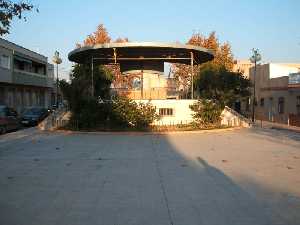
x: 115, y: 55
x: 192, y: 75
x: 92, y: 89
x: 142, y: 81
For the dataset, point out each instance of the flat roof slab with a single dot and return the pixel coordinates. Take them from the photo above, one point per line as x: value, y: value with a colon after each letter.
x: 141, y: 51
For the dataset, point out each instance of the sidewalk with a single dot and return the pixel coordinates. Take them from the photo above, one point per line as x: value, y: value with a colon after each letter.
x: 273, y: 125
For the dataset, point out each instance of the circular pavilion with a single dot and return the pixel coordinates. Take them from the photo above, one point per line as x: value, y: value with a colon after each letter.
x: 144, y: 58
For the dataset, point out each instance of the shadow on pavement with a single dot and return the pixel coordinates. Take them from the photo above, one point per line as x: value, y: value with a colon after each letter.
x: 123, y: 180
x: 277, y: 133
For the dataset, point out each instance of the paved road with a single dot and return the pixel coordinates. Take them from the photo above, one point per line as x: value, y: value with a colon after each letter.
x: 235, y: 177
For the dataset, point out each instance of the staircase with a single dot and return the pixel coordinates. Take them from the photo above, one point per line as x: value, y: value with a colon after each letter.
x: 232, y: 118
x: 56, y: 119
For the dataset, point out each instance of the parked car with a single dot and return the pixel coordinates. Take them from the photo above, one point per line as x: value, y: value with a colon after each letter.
x: 32, y: 116
x: 8, y: 119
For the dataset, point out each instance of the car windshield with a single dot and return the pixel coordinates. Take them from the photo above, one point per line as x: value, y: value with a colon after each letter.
x: 2, y: 112
x: 33, y: 112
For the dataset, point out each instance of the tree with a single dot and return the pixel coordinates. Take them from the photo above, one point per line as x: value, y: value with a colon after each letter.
x: 80, y: 85
x: 89, y: 112
x: 121, y: 40
x: 223, y: 57
x: 215, y: 80
x: 100, y: 36
x: 9, y: 10
x: 85, y: 108
x: 217, y: 83
x: 81, y: 77
x: 223, y: 54
x: 206, y: 113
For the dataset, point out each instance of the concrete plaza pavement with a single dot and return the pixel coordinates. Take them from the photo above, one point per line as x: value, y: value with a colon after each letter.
x: 247, y: 176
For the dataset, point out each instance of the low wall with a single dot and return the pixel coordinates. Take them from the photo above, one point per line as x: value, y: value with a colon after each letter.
x: 182, y: 114
x: 55, y: 120
x: 294, y: 120
x: 233, y: 119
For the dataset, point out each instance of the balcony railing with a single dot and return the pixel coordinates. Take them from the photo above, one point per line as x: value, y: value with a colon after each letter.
x: 153, y: 93
x: 34, y: 79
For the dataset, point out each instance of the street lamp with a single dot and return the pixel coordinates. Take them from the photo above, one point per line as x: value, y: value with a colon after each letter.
x: 256, y: 57
x: 56, y: 60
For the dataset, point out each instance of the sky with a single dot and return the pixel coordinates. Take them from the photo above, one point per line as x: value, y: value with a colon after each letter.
x: 272, y: 26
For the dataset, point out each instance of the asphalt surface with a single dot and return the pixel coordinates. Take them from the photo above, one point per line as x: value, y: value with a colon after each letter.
x: 248, y: 176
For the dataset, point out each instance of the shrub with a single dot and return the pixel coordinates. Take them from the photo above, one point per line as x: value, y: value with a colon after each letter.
x: 206, y: 113
x: 126, y: 112
x: 120, y: 113
x: 88, y: 113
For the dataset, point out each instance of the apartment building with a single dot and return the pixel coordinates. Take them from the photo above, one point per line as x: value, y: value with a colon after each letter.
x: 277, y: 92
x: 26, y: 77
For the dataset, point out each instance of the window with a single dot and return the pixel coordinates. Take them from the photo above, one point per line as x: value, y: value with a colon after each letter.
x: 5, y: 61
x: 271, y: 101
x: 262, y: 102
x: 298, y: 105
x: 298, y: 100
x: 166, y: 112
x: 281, y: 105
x: 2, y: 96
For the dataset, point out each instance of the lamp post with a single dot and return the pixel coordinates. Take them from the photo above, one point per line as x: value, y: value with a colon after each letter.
x: 56, y: 60
x: 256, y: 57
x: 192, y: 75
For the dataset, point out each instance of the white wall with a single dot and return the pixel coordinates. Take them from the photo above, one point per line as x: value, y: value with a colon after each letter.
x: 277, y: 70
x: 182, y: 114
x: 229, y: 117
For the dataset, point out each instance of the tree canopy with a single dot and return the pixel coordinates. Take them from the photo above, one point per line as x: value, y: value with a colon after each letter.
x: 217, y: 83
x: 81, y: 81
x: 9, y: 10
x: 223, y: 57
x: 222, y: 51
x: 101, y: 36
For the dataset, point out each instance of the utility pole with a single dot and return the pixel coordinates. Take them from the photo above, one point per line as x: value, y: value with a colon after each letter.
x: 92, y: 88
x: 57, y: 60
x: 256, y: 57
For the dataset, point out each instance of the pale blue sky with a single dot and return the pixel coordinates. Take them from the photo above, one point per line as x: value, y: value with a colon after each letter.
x: 270, y: 25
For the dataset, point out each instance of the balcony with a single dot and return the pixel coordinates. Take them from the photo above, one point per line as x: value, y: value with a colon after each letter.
x: 33, y: 79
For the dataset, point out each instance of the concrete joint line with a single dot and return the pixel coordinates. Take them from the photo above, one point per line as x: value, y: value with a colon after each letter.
x: 161, y: 182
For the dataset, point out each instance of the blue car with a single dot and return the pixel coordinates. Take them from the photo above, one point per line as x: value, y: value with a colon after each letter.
x: 32, y: 116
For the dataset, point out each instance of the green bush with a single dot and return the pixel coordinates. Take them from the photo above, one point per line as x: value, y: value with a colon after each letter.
x: 206, y: 113
x: 128, y: 113
x: 121, y: 113
x: 89, y: 113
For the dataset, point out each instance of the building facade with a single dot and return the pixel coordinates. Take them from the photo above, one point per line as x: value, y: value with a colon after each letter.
x: 277, y: 92
x: 243, y: 66
x: 26, y: 78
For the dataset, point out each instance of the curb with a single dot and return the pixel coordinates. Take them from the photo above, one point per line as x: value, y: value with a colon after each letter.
x: 147, y: 132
